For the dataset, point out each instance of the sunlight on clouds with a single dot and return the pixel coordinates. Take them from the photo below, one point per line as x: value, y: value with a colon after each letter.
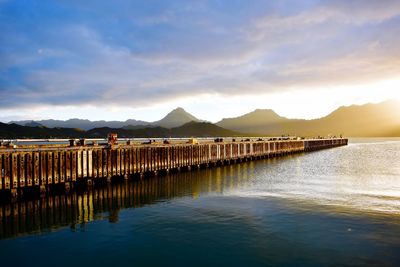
x: 311, y: 104
x: 130, y: 61
x: 391, y: 87
x: 300, y: 103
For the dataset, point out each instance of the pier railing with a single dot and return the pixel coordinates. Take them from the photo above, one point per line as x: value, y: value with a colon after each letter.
x: 35, y: 167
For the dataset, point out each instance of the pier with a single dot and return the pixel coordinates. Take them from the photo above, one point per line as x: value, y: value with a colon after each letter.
x: 41, y: 168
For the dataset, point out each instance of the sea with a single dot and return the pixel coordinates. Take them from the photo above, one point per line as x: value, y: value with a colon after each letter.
x: 334, y: 207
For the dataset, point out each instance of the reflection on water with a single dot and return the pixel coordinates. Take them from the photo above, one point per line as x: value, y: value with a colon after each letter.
x: 362, y: 176
x: 336, y: 207
x: 77, y: 208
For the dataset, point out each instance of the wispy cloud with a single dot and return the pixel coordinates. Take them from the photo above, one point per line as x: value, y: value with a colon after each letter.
x: 139, y: 53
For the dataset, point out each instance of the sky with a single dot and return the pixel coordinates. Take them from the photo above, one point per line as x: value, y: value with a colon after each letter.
x: 127, y: 59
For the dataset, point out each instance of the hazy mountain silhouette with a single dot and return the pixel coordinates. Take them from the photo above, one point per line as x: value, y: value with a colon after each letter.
x: 11, y: 131
x: 175, y: 118
x: 191, y: 129
x: 254, y: 122
x: 80, y: 123
x: 381, y: 119
x: 34, y: 124
x: 365, y: 120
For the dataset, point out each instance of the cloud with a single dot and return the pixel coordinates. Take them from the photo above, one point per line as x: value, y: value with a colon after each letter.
x: 139, y: 53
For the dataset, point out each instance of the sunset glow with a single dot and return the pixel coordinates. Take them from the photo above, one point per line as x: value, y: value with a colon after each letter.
x: 115, y: 61
x: 200, y: 133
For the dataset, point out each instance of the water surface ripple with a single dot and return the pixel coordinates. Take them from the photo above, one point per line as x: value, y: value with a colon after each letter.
x: 336, y: 207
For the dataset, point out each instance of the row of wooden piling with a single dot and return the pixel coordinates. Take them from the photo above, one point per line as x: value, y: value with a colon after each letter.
x: 23, y: 169
x: 79, y: 207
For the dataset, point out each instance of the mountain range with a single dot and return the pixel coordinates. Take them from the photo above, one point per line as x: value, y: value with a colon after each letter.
x: 197, y: 129
x: 382, y: 119
x: 175, y: 118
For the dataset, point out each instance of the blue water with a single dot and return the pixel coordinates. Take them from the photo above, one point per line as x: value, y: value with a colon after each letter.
x: 336, y: 207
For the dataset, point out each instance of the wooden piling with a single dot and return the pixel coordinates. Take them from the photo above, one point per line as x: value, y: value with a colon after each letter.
x: 22, y: 168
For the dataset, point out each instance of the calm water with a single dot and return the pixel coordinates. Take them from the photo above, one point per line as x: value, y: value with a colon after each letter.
x: 337, y: 207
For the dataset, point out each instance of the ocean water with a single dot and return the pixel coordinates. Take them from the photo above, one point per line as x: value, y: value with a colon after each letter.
x: 336, y: 207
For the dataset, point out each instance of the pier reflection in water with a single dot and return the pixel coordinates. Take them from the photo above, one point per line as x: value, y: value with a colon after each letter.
x: 77, y: 208
x: 335, y: 207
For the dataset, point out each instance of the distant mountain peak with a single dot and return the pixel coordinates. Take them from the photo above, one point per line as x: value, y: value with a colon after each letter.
x: 264, y: 112
x: 256, y: 118
x: 176, y: 118
x: 179, y: 111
